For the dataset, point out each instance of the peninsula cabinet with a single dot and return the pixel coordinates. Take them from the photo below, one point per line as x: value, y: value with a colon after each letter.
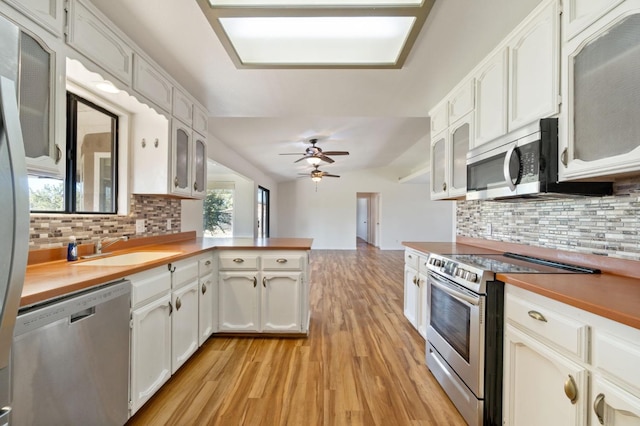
x: 599, y: 127
x: 563, y: 365
x: 185, y: 317
x: 263, y: 293
x: 207, y: 297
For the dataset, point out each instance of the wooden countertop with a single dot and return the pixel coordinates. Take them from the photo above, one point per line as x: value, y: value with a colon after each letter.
x: 52, y: 279
x: 610, y: 294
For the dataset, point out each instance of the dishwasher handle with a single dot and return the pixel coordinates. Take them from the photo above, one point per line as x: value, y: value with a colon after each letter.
x: 89, y: 312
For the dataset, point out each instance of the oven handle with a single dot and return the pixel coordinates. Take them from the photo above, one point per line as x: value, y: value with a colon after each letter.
x: 451, y: 291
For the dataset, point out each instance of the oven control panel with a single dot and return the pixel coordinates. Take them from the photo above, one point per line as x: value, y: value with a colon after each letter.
x: 469, y: 276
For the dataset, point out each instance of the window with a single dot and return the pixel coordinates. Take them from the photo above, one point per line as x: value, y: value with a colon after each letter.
x: 91, y: 184
x: 263, y: 212
x: 218, y: 209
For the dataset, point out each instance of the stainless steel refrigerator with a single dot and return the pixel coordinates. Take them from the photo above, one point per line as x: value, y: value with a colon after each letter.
x: 14, y: 207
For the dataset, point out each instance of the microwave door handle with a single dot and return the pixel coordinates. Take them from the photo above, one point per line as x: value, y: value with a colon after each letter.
x: 461, y: 297
x: 505, y: 169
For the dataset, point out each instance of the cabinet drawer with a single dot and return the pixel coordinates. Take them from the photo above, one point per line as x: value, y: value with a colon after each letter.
x: 618, y: 356
x: 559, y: 330
x: 184, y: 272
x: 288, y: 262
x: 411, y: 259
x: 205, y: 266
x: 149, y: 284
x: 238, y: 262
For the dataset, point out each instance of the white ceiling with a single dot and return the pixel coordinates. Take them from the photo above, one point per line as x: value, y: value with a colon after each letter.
x: 379, y: 116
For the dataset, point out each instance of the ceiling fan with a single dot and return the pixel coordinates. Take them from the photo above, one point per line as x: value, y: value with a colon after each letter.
x: 314, y: 155
x: 317, y: 175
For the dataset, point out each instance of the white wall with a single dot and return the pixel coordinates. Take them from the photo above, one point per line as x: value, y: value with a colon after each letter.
x: 328, y: 215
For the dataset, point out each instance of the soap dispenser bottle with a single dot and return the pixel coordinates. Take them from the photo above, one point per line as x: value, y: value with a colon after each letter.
x: 72, y: 249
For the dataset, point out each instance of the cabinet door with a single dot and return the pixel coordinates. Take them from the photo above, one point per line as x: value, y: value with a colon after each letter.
x: 411, y: 295
x: 182, y: 107
x: 238, y: 301
x: 151, y: 83
x: 181, y: 156
x: 460, y: 140
x: 199, y: 188
x: 613, y: 406
x: 491, y: 99
x: 534, y: 66
x: 439, y: 166
x: 184, y: 324
x: 281, y: 302
x: 579, y: 14
x: 200, y: 120
x: 47, y: 13
x: 539, y: 384
x: 423, y: 306
x: 150, y: 350
x: 91, y: 35
x: 602, y: 93
x: 207, y: 323
x: 439, y: 118
x: 462, y: 101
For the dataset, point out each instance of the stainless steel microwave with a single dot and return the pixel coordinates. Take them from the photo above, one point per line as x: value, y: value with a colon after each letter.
x: 523, y: 164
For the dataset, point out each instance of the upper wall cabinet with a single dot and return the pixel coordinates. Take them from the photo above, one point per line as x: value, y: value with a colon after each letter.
x: 151, y: 83
x: 47, y: 13
x: 182, y: 107
x: 599, y: 127
x: 491, y: 98
x: 439, y: 118
x: 534, y: 68
x: 91, y: 35
x: 200, y: 120
x: 579, y: 14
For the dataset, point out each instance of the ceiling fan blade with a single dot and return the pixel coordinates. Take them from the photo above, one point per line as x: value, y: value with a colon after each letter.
x: 303, y: 158
x: 329, y: 175
x: 294, y: 153
x: 335, y: 152
x: 325, y: 158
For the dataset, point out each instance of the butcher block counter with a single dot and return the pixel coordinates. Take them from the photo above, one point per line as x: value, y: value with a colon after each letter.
x: 48, y: 278
x: 613, y: 294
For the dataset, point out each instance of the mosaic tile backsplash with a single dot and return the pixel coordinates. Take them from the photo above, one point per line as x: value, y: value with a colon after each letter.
x: 48, y: 231
x: 608, y: 226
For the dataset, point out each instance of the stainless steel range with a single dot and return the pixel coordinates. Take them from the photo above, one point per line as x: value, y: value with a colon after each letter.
x: 465, y: 332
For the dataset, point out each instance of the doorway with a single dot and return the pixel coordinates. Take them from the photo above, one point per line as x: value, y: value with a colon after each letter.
x: 263, y: 212
x: 367, y: 218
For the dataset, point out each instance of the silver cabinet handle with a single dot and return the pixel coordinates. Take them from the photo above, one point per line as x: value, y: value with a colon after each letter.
x: 195, y: 186
x: 264, y: 282
x: 537, y: 316
x: 207, y: 263
x: 238, y: 260
x: 281, y: 260
x: 409, y: 256
x: 144, y: 143
x: 156, y: 143
x: 178, y: 304
x: 564, y: 157
x: 571, y: 390
x: 204, y: 288
x: 58, y: 154
x: 255, y: 282
x: 598, y: 407
x: 175, y: 181
x: 170, y: 308
x: 444, y: 186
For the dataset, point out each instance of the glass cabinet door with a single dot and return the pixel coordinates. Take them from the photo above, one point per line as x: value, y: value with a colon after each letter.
x: 181, y: 159
x: 199, y: 164
x: 459, y: 149
x: 439, y: 167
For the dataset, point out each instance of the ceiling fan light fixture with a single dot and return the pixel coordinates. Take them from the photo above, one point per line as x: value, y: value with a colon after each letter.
x: 316, y: 178
x: 314, y: 161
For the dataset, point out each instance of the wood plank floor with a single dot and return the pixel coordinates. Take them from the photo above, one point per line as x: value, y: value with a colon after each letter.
x: 362, y: 363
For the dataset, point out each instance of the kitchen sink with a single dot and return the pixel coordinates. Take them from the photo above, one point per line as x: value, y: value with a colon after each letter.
x: 128, y: 259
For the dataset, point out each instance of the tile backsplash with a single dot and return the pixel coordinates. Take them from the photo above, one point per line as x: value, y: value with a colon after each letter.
x: 608, y: 226
x: 54, y: 230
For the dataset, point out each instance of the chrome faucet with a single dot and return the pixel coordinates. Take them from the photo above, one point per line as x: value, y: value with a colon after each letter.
x: 100, y: 244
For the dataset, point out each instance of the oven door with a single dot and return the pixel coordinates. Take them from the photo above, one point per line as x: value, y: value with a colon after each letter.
x: 455, y: 329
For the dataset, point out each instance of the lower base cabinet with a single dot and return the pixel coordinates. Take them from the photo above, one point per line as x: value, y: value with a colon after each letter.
x: 184, y: 324
x: 281, y: 302
x: 238, y: 301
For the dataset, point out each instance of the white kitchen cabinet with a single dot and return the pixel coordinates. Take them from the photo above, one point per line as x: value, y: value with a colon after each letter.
x: 579, y: 14
x: 490, y: 114
x: 207, y: 297
x: 238, y: 301
x: 416, y: 308
x: 151, y: 83
x: 613, y: 406
x: 150, y: 334
x: 461, y: 100
x: 423, y: 303
x: 439, y: 116
x: 182, y: 107
x: 541, y: 387
x: 263, y: 293
x: 200, y: 120
x: 49, y: 14
x: 411, y: 295
x: 199, y: 166
x: 181, y: 158
x: 534, y: 67
x: 449, y: 160
x: 184, y: 324
x: 599, y: 126
x: 90, y: 33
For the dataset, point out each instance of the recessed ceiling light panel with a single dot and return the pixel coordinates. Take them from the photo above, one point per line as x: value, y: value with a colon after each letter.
x: 321, y: 40
x: 313, y: 3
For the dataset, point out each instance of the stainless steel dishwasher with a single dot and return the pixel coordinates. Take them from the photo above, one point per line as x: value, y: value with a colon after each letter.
x: 70, y: 359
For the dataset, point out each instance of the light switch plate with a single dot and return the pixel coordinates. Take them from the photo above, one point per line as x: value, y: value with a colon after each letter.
x: 168, y: 224
x: 139, y: 226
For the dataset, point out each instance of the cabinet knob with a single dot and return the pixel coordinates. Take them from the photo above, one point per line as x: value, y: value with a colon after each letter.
x: 143, y: 143
x: 207, y: 263
x: 156, y: 143
x: 564, y: 157
x: 204, y: 288
x: 178, y: 304
x: 281, y: 260
x: 571, y: 390
x: 264, y: 282
x: 537, y: 316
x: 175, y: 181
x: 444, y: 186
x: 238, y: 260
x: 598, y: 407
x: 195, y: 186
x: 58, y: 154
